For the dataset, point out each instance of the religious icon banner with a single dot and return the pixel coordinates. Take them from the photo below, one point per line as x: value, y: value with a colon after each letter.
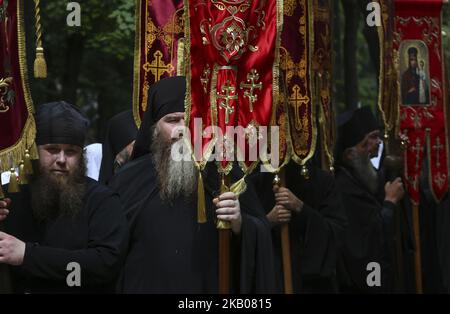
x: 417, y: 44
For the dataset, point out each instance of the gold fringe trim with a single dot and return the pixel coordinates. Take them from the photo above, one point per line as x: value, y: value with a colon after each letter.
x: 13, y: 182
x: 23, y: 176
x: 137, y: 64
x: 381, y: 78
x: 180, y: 58
x: 10, y: 157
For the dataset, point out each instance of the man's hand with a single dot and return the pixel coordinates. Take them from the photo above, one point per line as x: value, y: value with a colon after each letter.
x: 4, y: 211
x: 394, y: 191
x: 287, y: 199
x: 279, y: 215
x: 228, y: 209
x: 12, y: 250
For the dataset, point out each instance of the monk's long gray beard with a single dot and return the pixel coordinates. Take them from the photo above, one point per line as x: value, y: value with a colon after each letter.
x: 363, y: 169
x: 176, y: 178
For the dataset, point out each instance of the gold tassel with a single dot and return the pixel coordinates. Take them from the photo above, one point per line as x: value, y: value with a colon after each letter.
x: 22, y: 174
x: 239, y: 186
x: 40, y: 65
x: 304, y: 172
x: 201, y: 208
x: 27, y: 167
x: 13, y: 182
x: 34, y: 154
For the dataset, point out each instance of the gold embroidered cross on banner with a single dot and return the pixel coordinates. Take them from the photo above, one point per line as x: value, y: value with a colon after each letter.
x: 417, y: 149
x: 228, y: 94
x: 297, y: 100
x: 250, y: 86
x: 157, y: 66
x: 437, y: 147
x: 5, y: 94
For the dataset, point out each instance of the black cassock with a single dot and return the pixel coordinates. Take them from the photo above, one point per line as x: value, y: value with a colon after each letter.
x: 96, y: 238
x: 170, y: 252
x: 369, y: 236
x: 315, y: 234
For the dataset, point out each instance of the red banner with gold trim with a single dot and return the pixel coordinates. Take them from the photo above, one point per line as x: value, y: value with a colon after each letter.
x: 17, y: 127
x: 296, y: 50
x: 232, y: 77
x: 388, y: 90
x: 420, y: 58
x: 159, y: 47
x: 322, y: 69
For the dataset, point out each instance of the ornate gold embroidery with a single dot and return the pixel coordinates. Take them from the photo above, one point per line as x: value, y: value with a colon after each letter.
x: 232, y: 6
x: 439, y: 179
x: 416, y: 117
x: 289, y: 7
x: 166, y: 32
x: 231, y: 36
x: 438, y: 147
x: 297, y: 100
x: 291, y: 67
x: 417, y: 149
x: 6, y: 95
x: 250, y: 86
x: 228, y: 93
x: 204, y: 79
x: 157, y: 67
x: 145, y: 89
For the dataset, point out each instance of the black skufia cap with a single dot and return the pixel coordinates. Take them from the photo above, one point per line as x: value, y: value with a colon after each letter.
x: 60, y: 123
x: 165, y: 96
x: 353, y: 126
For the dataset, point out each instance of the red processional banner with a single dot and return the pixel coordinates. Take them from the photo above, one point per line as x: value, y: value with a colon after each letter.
x: 17, y: 127
x: 417, y: 44
x: 232, y: 71
x: 159, y: 47
x: 296, y: 51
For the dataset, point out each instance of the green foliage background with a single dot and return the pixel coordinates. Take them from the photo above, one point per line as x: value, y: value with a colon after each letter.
x: 92, y: 65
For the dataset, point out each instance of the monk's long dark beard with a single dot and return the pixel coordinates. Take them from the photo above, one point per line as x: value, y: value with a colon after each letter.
x: 176, y: 178
x: 54, y: 196
x: 363, y: 170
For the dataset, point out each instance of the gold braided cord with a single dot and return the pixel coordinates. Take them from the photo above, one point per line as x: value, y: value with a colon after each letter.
x: 40, y: 65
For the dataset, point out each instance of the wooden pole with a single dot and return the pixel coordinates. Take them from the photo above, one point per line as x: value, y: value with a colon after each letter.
x: 399, y: 276
x: 285, y: 243
x: 417, y: 255
x: 224, y: 246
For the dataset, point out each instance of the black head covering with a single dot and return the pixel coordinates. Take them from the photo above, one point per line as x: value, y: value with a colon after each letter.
x: 121, y: 131
x: 165, y: 96
x: 412, y: 51
x: 60, y: 123
x: 353, y: 126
